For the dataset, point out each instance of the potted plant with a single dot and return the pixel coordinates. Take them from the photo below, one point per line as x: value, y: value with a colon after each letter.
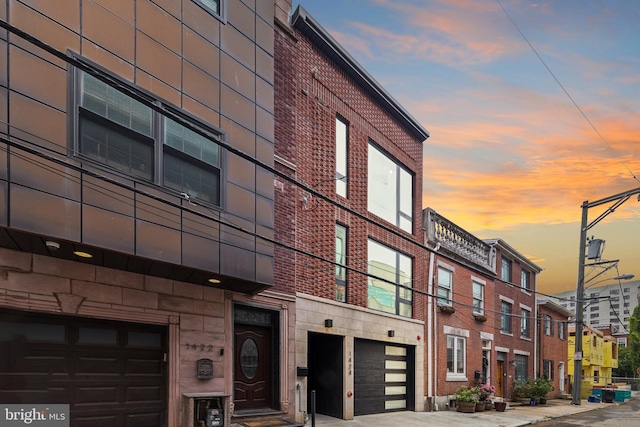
x: 466, y: 398
x: 541, y: 386
x: 523, y: 390
x: 486, y: 391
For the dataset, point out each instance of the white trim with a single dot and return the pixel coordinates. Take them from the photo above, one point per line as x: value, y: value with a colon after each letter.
x: 522, y: 353
x: 486, y: 336
x: 479, y: 280
x: 445, y: 266
x: 505, y: 299
x: 450, y: 330
x: 526, y: 307
x: 503, y: 349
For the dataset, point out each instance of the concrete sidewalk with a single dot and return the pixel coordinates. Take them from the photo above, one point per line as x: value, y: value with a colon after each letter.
x: 512, y: 417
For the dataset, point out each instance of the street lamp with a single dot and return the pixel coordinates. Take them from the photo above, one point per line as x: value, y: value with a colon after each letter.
x: 616, y: 201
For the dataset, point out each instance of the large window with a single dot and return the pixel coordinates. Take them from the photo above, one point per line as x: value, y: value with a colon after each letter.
x: 562, y: 332
x: 456, y: 353
x: 342, y: 139
x: 521, y: 366
x: 506, y: 270
x: 525, y: 280
x: 478, y: 297
x: 390, y: 190
x: 548, y: 325
x: 119, y: 131
x: 445, y: 286
x: 341, y: 261
x: 547, y: 369
x: 213, y: 6
x: 525, y: 323
x: 388, y: 269
x: 505, y: 317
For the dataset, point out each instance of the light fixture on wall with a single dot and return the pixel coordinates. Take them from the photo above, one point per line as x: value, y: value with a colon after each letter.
x: 512, y: 363
x: 391, y: 333
x: 82, y: 254
x: 328, y: 323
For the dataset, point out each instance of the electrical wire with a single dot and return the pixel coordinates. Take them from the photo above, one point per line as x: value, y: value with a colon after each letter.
x: 566, y: 92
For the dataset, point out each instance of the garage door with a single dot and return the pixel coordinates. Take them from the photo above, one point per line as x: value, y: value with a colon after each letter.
x: 110, y: 373
x: 383, y: 377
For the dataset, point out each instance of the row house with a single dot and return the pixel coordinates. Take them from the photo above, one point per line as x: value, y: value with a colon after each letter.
x: 481, y: 325
x: 137, y: 212
x: 349, y: 207
x: 553, y: 345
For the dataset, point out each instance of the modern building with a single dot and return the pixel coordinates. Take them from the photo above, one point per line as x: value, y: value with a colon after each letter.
x: 552, y: 345
x: 608, y: 306
x: 137, y: 212
x: 353, y: 223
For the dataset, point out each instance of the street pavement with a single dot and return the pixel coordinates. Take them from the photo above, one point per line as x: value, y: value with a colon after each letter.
x: 512, y: 417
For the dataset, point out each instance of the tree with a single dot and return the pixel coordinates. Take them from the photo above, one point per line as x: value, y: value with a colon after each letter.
x: 634, y: 338
x: 625, y: 368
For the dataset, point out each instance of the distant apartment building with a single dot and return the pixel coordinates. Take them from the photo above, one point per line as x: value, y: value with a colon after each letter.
x: 608, y: 306
x: 552, y: 345
x: 349, y: 205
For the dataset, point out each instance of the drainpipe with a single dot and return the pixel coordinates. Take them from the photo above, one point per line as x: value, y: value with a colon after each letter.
x: 431, y: 355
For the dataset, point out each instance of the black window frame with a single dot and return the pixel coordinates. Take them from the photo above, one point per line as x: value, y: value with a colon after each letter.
x: 506, y: 326
x: 221, y: 11
x: 341, y: 271
x: 160, y: 112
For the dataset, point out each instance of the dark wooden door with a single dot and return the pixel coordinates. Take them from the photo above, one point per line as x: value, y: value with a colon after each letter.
x: 500, y: 378
x: 325, y: 357
x: 252, y: 367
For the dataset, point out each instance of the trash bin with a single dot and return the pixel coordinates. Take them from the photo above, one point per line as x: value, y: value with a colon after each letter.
x: 608, y: 396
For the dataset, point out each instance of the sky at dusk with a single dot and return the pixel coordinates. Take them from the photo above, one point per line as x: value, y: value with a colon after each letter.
x: 533, y: 107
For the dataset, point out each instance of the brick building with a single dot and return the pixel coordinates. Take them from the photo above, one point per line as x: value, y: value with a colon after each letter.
x: 514, y: 323
x: 352, y: 222
x: 553, y: 345
x: 137, y: 211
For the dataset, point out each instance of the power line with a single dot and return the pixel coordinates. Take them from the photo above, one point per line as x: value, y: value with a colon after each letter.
x: 584, y: 115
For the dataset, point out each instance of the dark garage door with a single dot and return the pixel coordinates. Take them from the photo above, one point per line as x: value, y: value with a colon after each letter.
x: 110, y: 373
x: 383, y: 379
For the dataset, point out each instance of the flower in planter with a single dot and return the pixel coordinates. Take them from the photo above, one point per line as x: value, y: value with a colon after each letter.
x: 468, y: 394
x: 486, y: 391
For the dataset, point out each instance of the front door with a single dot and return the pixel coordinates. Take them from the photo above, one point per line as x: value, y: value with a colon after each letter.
x: 500, y: 373
x: 561, y: 377
x: 252, y: 367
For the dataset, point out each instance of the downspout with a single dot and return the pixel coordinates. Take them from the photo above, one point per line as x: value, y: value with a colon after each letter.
x: 431, y: 355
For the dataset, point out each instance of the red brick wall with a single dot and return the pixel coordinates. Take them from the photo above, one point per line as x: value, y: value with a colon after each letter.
x: 310, y: 92
x: 553, y: 348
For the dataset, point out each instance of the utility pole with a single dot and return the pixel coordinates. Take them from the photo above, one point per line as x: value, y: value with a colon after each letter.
x: 617, y: 200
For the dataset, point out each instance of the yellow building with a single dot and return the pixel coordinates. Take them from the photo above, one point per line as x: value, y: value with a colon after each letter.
x: 599, y: 358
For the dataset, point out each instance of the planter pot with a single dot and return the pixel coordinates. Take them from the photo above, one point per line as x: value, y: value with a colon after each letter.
x: 500, y: 406
x: 447, y: 309
x: 543, y: 400
x: 480, y: 407
x: 488, y: 405
x: 480, y: 317
x: 467, y: 407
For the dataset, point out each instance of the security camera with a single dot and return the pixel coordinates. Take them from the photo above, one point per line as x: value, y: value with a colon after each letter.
x: 52, y: 246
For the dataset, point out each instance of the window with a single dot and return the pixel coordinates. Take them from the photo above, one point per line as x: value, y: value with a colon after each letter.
x: 525, y: 323
x: 505, y: 317
x: 342, y: 138
x: 594, y: 308
x: 445, y: 283
x: 478, y: 297
x: 562, y: 330
x: 456, y: 354
x: 506, y: 270
x: 547, y: 369
x: 390, y: 190
x: 622, y: 342
x: 525, y: 280
x: 614, y: 292
x: 626, y: 290
x: 213, y: 6
x: 119, y: 131
x: 594, y: 315
x: 341, y: 262
x: 548, y: 325
x: 521, y: 366
x: 388, y: 269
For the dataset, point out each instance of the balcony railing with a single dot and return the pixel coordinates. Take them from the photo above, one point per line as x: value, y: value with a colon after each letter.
x: 442, y: 233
